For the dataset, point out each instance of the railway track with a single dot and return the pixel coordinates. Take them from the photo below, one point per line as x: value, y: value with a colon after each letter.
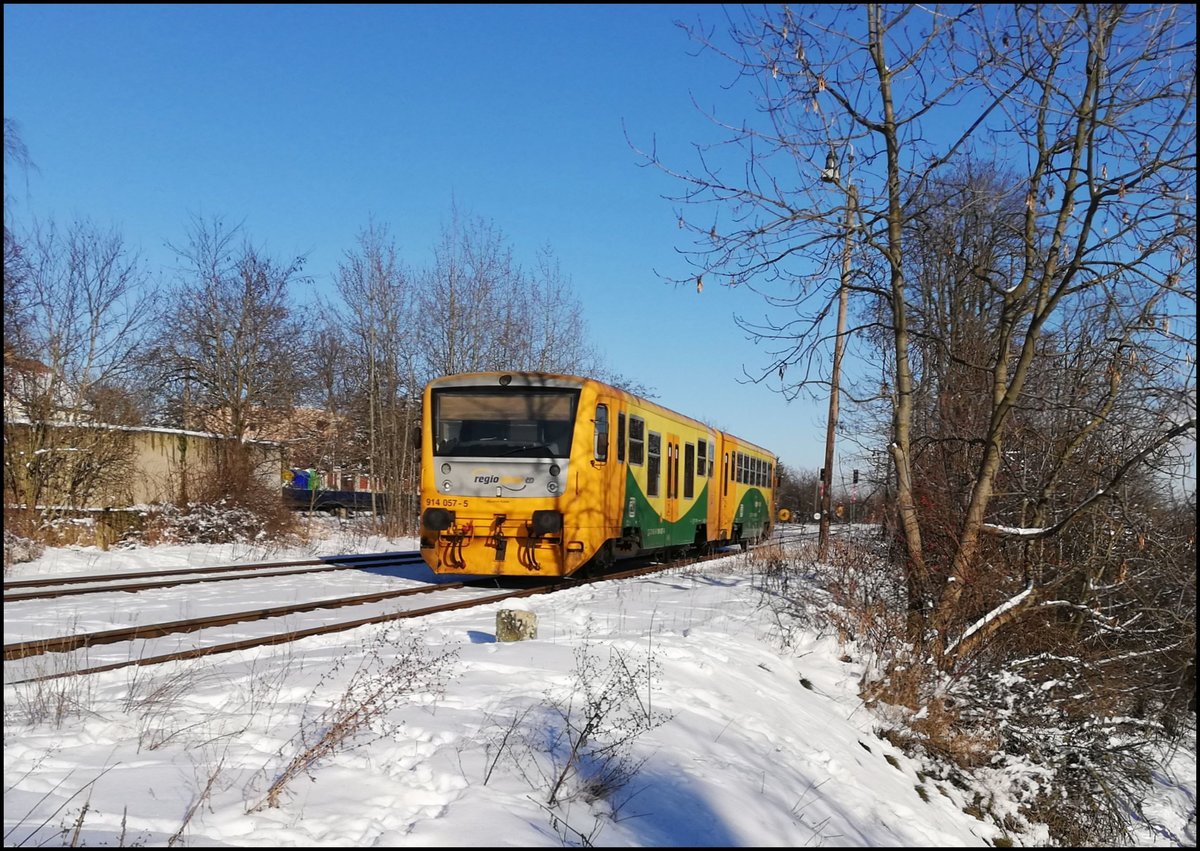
x: 466, y: 599
x: 86, y: 642
x: 71, y: 585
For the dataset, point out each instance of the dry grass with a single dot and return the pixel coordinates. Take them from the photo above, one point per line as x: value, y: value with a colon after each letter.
x: 389, y: 670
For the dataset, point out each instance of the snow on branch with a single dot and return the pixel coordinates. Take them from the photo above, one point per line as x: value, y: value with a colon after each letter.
x: 993, y: 616
x: 1045, y: 532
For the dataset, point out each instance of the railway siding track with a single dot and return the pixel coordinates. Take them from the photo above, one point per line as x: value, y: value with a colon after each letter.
x: 146, y: 586
x: 218, y: 573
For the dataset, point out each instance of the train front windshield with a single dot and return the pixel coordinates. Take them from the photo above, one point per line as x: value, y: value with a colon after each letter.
x: 510, y: 423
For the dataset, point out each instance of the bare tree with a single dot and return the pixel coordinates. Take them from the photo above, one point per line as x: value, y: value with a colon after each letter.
x: 467, y: 299
x: 551, y: 334
x: 480, y: 310
x: 1096, y: 100
x: 16, y: 295
x: 72, y: 373
x: 379, y: 316
x: 231, y: 347
x: 332, y: 440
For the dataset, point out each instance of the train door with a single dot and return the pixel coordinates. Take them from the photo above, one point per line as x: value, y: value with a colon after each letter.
x: 710, y: 472
x: 671, y: 514
x: 726, y: 491
x: 609, y: 461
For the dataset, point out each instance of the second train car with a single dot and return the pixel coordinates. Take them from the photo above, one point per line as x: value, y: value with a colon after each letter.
x: 538, y: 474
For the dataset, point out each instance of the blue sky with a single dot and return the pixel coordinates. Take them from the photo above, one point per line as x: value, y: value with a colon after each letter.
x: 306, y: 121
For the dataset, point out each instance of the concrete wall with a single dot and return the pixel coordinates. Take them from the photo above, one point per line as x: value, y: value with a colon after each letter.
x: 142, y: 466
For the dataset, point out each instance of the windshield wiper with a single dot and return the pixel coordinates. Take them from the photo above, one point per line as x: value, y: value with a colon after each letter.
x: 525, y: 447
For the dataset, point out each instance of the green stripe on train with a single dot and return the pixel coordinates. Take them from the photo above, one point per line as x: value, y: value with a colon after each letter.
x: 753, y: 513
x: 657, y: 532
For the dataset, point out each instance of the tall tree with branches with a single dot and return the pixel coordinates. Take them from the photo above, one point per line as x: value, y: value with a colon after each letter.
x: 1091, y: 108
x: 378, y: 316
x: 232, y: 346
x: 72, y: 372
x: 16, y: 280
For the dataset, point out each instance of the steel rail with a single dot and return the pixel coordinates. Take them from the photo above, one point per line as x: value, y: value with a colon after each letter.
x: 350, y: 560
x: 21, y: 649
x: 144, y: 586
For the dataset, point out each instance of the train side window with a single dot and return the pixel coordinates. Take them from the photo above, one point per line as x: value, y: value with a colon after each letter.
x: 653, y: 464
x: 621, y: 438
x: 689, y: 470
x: 725, y: 476
x: 674, y: 450
x: 601, y: 434
x: 637, y: 440
x: 712, y: 457
x: 701, y: 461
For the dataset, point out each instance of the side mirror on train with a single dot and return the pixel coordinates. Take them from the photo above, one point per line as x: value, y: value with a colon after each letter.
x: 601, y: 441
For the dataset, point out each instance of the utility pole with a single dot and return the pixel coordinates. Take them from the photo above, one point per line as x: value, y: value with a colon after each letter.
x: 830, y: 175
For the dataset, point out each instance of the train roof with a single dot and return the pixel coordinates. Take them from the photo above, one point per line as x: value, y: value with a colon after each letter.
x: 551, y: 379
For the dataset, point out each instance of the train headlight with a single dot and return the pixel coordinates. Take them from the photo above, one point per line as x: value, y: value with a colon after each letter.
x: 438, y: 519
x: 552, y: 487
x: 446, y: 486
x: 555, y: 469
x: 446, y: 468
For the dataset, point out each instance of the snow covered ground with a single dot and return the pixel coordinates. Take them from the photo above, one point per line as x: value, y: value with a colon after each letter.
x: 707, y: 730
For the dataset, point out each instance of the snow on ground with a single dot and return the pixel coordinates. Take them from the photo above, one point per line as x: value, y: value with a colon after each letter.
x: 713, y: 733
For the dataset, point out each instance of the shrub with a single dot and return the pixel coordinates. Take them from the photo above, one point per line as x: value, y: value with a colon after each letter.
x: 18, y: 549
x: 220, y: 522
x: 388, y: 670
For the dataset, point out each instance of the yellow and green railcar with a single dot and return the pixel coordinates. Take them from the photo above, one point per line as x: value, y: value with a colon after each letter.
x: 538, y: 474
